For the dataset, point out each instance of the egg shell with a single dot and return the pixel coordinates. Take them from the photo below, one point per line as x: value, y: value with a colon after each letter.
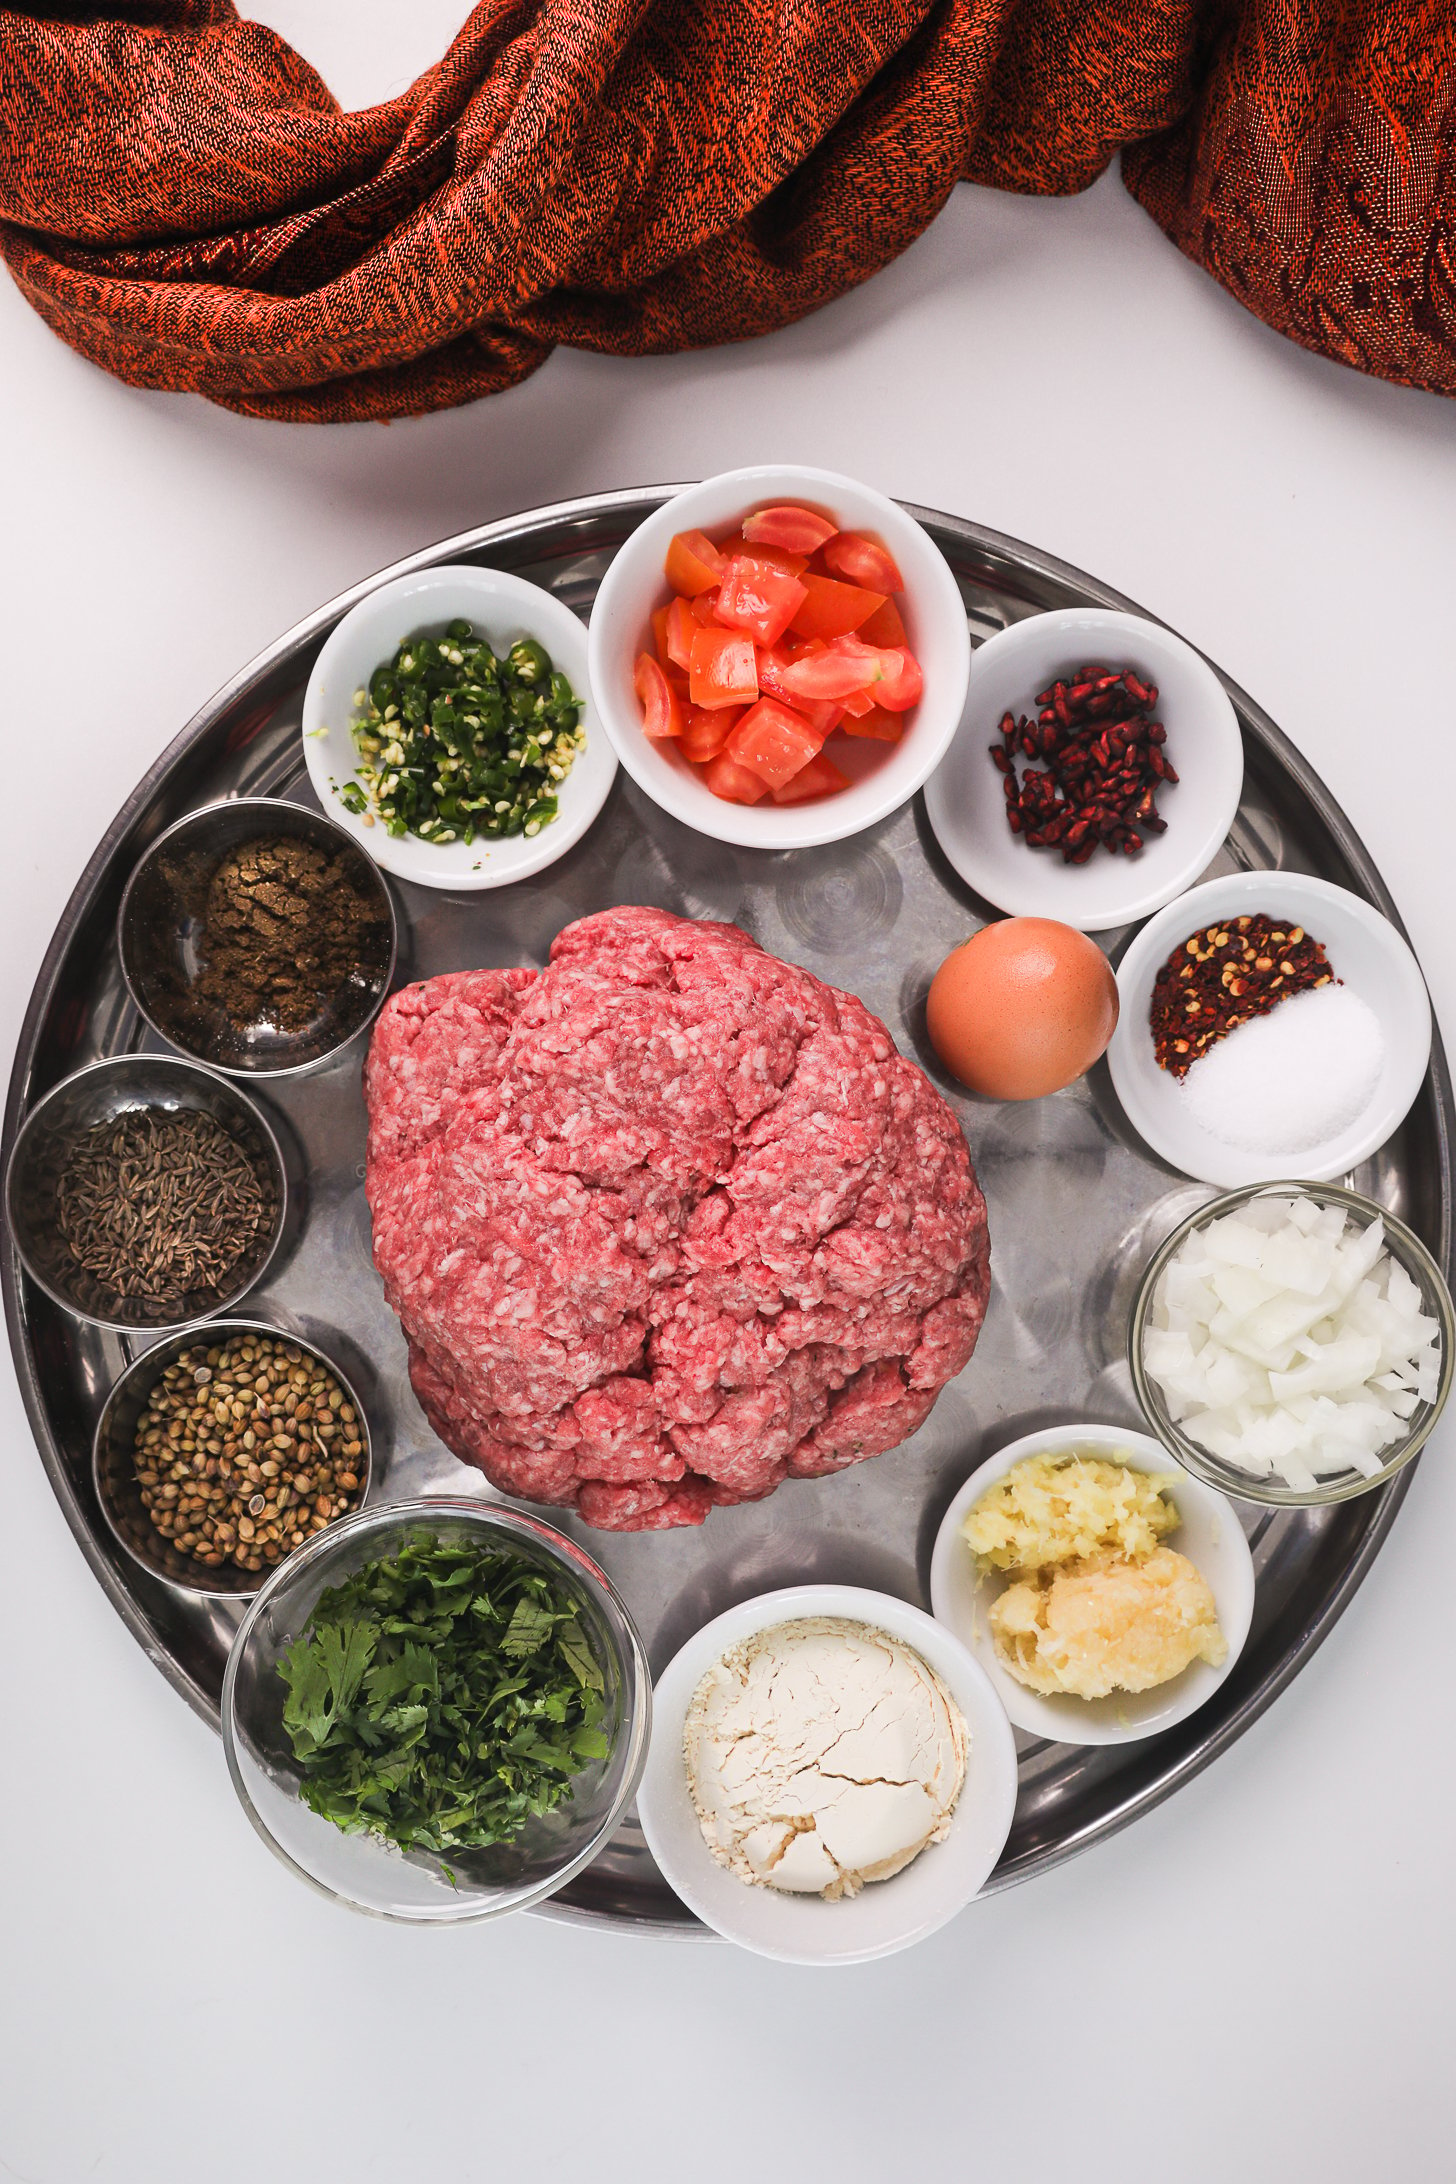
x: 1022, y: 1008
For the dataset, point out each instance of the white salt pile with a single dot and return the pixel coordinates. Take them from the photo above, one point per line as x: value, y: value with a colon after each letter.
x: 1292, y: 1080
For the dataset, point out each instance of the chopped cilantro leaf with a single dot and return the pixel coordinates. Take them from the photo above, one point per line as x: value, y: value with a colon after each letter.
x: 442, y: 1698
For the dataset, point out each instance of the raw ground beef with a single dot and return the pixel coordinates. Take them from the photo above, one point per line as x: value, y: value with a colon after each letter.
x: 667, y: 1222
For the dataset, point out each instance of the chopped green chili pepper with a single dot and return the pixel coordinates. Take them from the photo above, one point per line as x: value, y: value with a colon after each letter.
x: 455, y: 744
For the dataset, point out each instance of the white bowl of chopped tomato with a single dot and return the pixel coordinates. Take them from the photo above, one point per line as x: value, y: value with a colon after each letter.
x: 780, y: 656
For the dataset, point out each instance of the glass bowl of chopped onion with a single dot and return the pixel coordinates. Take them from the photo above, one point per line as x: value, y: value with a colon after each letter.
x: 1292, y: 1344
x: 437, y: 1710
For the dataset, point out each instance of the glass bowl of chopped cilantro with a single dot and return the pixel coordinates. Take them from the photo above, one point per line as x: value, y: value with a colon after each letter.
x: 449, y: 726
x: 437, y: 1710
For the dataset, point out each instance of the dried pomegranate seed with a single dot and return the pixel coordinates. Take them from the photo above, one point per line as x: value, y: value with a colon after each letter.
x: 1099, y: 758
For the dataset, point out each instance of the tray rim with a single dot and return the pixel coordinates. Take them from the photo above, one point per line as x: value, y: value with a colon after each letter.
x: 639, y: 501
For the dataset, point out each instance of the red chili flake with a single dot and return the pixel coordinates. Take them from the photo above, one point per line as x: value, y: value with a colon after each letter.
x: 1223, y: 976
x: 1098, y: 758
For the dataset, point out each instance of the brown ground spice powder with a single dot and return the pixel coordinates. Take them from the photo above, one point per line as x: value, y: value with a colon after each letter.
x: 1224, y: 975
x: 284, y: 930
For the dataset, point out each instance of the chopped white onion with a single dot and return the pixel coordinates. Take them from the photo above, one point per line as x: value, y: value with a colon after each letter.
x: 1287, y: 1340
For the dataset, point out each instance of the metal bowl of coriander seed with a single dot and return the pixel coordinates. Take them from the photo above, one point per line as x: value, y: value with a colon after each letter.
x: 223, y: 1448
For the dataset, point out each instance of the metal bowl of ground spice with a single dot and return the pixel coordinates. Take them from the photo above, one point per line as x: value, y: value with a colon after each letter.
x: 144, y: 1192
x: 225, y: 1447
x: 256, y: 936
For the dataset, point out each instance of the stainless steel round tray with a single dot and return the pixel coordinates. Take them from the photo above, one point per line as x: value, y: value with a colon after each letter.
x: 1076, y: 1202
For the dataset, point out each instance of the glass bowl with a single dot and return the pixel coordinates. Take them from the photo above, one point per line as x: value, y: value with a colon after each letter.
x: 160, y: 924
x: 364, y: 1870
x: 1404, y: 1245
x: 113, y: 1457
x: 101, y: 1093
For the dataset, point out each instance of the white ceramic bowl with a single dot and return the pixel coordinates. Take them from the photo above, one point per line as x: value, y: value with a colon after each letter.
x: 886, y: 1915
x: 1364, y: 949
x: 1210, y: 1536
x: 883, y: 776
x: 966, y: 803
x: 502, y: 608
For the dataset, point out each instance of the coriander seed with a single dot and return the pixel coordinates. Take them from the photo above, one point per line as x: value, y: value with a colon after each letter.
x: 195, y: 1454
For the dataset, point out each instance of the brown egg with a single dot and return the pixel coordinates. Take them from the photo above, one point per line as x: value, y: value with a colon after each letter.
x: 1026, y: 1006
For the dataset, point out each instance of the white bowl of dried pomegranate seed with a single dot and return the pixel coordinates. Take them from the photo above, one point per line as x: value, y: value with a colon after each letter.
x: 1099, y: 747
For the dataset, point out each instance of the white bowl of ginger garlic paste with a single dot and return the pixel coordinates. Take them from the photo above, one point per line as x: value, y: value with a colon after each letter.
x: 1209, y: 1534
x: 885, y: 1916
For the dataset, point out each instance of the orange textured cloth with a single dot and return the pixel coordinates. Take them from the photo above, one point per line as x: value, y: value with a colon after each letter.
x: 184, y: 202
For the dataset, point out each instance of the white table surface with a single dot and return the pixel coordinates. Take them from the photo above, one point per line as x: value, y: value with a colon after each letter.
x: 1254, y: 1981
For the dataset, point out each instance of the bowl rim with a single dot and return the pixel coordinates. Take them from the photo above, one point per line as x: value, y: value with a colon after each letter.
x: 186, y: 1064
x: 554, y: 840
x: 857, y: 1604
x: 1153, y: 943
x: 736, y: 826
x: 1143, y: 1451
x: 1141, y: 901
x: 424, y: 1509
x: 202, y: 1587
x: 236, y: 1071
x: 1213, y: 1470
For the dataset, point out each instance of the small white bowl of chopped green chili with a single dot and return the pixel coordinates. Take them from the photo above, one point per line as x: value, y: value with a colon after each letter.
x: 449, y: 725
x: 437, y: 1710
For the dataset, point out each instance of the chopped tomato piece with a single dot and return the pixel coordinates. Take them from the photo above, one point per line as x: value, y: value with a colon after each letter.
x: 760, y: 549
x: 659, y: 634
x: 759, y: 598
x: 773, y: 742
x: 704, y: 734
x: 819, y: 778
x: 680, y: 626
x: 661, y: 710
x: 885, y: 727
x: 884, y: 626
x: 726, y: 778
x: 799, y: 529
x: 701, y: 608
x: 892, y: 673
x: 833, y: 609
x: 821, y: 714
x: 693, y: 563
x: 722, y: 669
x: 900, y: 689
x: 830, y: 676
x: 860, y: 559
x: 846, y: 667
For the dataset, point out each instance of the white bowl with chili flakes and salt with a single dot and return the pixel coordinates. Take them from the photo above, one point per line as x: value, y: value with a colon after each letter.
x: 1280, y: 1115
x: 879, y: 775
x: 1102, y: 833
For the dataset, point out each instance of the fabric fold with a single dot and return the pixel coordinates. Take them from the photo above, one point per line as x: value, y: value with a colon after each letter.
x: 185, y: 203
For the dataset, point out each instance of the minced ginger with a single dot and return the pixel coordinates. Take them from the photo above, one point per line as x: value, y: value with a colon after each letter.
x: 1107, y: 1624
x: 1096, y: 1604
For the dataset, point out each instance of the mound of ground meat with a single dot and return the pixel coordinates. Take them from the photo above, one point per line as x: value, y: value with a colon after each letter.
x: 667, y: 1222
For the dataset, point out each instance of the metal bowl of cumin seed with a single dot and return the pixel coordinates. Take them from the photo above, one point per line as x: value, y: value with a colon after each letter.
x: 146, y: 1192
x: 243, y: 1439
